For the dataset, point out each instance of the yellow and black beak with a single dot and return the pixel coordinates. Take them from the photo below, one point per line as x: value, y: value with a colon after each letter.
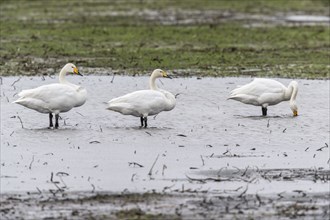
x: 165, y: 75
x: 76, y: 71
x: 295, y: 113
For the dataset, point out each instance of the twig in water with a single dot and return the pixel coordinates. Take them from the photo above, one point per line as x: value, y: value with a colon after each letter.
x: 39, y: 190
x: 280, y: 195
x: 134, y: 164
x: 245, y: 171
x: 31, y: 162
x: 206, y: 179
x: 132, y: 178
x: 202, y: 160
x: 51, y: 178
x: 320, y: 149
x: 284, y: 130
x: 11, y: 133
x: 181, y: 135
x: 259, y: 199
x: 238, y: 188
x: 113, y: 77
x: 176, y: 95
x: 240, y: 195
x: 16, y: 81
x: 93, y: 187
x: 164, y: 167
x: 60, y: 174
x: 93, y: 190
x: 20, y: 121
x: 168, y: 187
x: 150, y: 171
x: 80, y: 114
x: 306, y: 148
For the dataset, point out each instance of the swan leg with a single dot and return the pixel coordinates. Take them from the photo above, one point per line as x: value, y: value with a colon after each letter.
x: 56, y: 120
x: 50, y: 120
x: 264, y: 111
x: 145, y: 122
x: 141, y: 119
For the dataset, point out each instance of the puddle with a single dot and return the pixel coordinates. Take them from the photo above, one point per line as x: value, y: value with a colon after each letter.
x: 172, y: 16
x: 96, y: 150
x: 308, y: 18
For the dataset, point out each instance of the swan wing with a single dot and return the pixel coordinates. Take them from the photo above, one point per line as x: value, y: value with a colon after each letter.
x: 139, y: 103
x: 259, y: 91
x: 49, y: 98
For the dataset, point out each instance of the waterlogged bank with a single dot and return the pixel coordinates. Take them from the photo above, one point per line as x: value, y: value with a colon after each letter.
x: 208, y: 155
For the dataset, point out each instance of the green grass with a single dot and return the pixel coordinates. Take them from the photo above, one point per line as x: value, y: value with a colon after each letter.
x: 33, y: 29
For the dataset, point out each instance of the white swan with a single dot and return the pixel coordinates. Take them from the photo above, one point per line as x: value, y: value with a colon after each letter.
x: 266, y: 92
x: 145, y: 102
x: 54, y: 98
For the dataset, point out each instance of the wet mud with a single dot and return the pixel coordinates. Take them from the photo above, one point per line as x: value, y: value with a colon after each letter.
x: 207, y: 158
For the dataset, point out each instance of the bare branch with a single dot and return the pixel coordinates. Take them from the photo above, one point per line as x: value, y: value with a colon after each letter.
x: 150, y: 171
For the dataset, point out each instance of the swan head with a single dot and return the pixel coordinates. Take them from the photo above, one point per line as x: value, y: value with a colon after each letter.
x: 294, y: 108
x: 158, y: 73
x: 293, y: 105
x: 71, y: 68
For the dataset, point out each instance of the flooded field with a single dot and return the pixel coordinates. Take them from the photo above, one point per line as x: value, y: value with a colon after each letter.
x: 208, y: 156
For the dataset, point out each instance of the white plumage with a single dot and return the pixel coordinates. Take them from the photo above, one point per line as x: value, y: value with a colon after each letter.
x: 54, y: 98
x: 145, y: 103
x: 266, y: 92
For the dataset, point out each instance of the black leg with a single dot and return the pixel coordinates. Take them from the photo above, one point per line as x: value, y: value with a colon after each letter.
x: 264, y: 111
x: 145, y: 122
x: 56, y: 120
x: 50, y: 120
x: 141, y: 119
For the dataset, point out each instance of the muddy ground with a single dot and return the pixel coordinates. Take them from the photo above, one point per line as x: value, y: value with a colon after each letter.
x: 207, y: 158
x: 287, y: 39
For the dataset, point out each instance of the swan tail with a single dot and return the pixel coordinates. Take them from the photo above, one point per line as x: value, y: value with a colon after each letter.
x: 34, y: 104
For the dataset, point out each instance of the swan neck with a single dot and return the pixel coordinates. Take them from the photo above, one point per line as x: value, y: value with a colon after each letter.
x: 293, y: 90
x: 62, y: 78
x: 152, y: 83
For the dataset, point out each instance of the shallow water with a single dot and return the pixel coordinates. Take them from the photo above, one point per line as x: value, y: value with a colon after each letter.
x: 201, y: 144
